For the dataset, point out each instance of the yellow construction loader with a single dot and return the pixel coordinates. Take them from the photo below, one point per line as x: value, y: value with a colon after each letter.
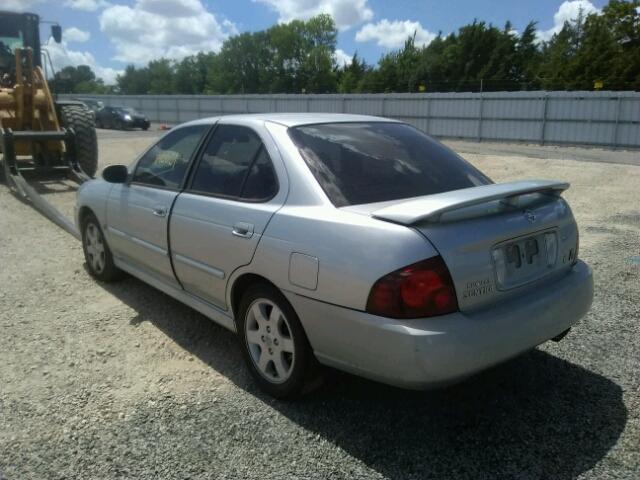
x: 40, y: 135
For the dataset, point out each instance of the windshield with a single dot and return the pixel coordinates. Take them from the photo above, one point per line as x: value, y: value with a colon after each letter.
x: 127, y: 110
x: 369, y: 162
x: 12, y: 36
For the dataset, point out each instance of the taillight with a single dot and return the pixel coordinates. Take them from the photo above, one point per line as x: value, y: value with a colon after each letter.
x: 423, y: 289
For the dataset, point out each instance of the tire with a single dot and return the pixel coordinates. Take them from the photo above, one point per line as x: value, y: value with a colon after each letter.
x: 80, y: 120
x: 275, y: 340
x: 96, y: 251
x: 145, y: 128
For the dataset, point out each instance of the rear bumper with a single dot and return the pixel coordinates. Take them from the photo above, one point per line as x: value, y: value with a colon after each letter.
x: 428, y: 352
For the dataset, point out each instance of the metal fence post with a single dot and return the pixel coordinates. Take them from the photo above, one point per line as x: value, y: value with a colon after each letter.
x: 344, y: 104
x: 384, y: 106
x: 543, y: 124
x: 479, y: 138
x: 428, y: 109
x: 308, y: 104
x: 158, y: 119
x: 614, y: 140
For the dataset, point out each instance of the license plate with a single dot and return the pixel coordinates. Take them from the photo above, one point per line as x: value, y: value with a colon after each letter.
x: 524, y: 259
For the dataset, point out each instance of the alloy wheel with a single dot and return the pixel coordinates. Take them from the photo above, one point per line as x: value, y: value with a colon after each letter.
x: 269, y: 340
x: 94, y: 244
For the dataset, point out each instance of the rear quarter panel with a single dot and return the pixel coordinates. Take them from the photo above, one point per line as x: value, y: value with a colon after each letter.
x: 353, y: 251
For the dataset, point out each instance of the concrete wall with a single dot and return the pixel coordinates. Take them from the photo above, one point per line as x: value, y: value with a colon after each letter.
x: 609, y: 119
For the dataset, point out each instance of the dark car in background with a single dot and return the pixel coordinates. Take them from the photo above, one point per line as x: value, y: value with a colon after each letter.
x: 94, y: 105
x: 122, y: 118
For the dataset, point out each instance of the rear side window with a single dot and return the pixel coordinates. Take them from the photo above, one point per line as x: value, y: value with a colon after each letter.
x: 165, y: 164
x: 235, y: 164
x: 367, y: 162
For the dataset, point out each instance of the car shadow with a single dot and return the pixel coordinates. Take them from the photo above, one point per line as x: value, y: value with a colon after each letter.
x: 537, y: 416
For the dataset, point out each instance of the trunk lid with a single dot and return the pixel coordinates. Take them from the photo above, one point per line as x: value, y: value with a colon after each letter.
x: 497, y: 240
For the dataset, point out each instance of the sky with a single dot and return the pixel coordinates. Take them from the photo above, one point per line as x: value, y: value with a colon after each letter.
x: 109, y: 34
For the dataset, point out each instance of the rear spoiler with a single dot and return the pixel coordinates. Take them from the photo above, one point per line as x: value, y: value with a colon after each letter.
x: 431, y: 207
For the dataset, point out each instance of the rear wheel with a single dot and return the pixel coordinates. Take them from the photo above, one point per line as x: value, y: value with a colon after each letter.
x: 96, y: 251
x: 274, y: 344
x: 79, y: 118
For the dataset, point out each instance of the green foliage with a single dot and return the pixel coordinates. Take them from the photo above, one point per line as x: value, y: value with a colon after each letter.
x: 80, y: 79
x: 597, y: 48
x: 351, y: 76
x: 299, y: 57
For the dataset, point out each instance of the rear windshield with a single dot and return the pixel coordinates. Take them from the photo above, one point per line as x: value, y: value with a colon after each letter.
x: 369, y: 162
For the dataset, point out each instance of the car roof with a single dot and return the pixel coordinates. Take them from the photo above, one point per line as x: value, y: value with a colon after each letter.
x: 295, y: 119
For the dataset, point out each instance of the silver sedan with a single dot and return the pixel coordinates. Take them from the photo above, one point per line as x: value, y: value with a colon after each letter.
x: 350, y: 241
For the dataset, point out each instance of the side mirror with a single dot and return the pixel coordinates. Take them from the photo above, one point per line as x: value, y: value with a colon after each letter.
x: 115, y: 173
x: 56, y: 33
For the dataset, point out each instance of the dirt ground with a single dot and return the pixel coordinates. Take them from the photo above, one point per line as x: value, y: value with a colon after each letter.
x: 120, y: 381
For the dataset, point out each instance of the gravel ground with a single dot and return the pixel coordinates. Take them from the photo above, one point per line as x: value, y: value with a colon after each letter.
x: 121, y: 381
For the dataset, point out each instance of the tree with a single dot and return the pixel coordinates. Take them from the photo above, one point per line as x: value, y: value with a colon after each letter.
x: 241, y: 66
x: 191, y: 73
x: 161, y: 77
x: 80, y: 79
x: 134, y: 81
x: 351, y: 76
x: 527, y: 57
x: 298, y: 57
x: 317, y: 69
x: 622, y: 18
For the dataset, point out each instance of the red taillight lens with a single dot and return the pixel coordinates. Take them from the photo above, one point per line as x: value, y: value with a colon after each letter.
x: 423, y: 289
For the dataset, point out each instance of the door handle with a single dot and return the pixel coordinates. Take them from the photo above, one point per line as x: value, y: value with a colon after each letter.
x: 160, y: 211
x: 244, y: 230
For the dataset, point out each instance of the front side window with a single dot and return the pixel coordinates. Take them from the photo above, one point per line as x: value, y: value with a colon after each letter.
x: 367, y: 162
x: 165, y: 164
x: 235, y: 164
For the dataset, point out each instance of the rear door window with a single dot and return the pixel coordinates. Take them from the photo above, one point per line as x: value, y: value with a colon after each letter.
x: 235, y: 164
x: 367, y: 162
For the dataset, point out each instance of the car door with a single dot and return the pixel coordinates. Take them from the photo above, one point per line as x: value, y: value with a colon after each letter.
x: 101, y: 116
x: 217, y: 222
x: 107, y: 117
x: 138, y: 211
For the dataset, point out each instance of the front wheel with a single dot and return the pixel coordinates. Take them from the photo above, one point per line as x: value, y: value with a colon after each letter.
x: 96, y: 251
x: 274, y: 344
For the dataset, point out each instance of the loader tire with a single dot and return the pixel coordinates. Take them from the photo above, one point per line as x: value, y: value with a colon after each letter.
x: 79, y: 118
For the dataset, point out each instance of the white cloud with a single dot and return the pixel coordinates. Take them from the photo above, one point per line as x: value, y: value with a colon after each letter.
x: 74, y: 34
x: 152, y: 29
x: 393, y: 34
x: 86, y: 5
x: 342, y: 58
x: 567, y: 12
x: 346, y: 13
x: 62, y: 56
x: 19, y: 5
